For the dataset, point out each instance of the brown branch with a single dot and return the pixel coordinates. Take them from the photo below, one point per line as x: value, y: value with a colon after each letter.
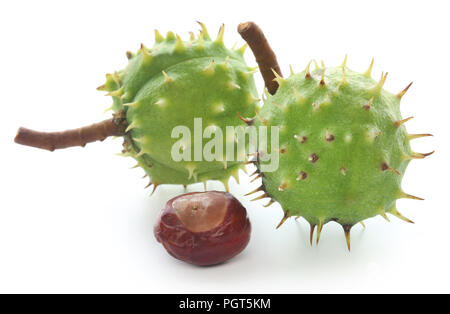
x: 265, y: 57
x: 77, y: 137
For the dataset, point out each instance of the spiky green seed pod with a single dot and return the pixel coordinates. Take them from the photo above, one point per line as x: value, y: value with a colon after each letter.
x: 170, y: 85
x: 343, y: 147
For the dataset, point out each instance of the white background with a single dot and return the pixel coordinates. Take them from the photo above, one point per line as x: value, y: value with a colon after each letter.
x: 78, y: 220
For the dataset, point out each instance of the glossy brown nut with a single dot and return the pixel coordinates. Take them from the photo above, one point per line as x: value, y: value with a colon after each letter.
x: 203, y: 228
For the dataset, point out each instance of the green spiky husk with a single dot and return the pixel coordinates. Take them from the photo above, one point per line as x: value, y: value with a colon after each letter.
x: 171, y: 84
x: 342, y: 156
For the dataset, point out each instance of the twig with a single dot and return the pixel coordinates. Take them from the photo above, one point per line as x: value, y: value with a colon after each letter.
x: 265, y: 57
x: 76, y: 137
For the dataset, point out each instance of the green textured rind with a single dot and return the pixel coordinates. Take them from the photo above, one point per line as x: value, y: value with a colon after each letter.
x: 196, y: 88
x: 347, y: 183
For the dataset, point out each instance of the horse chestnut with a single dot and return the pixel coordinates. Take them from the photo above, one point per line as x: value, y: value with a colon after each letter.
x: 203, y: 228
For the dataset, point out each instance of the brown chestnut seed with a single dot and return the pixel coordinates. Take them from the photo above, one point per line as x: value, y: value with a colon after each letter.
x: 203, y: 228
